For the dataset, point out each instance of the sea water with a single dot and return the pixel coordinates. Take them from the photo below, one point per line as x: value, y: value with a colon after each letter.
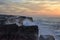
x: 49, y: 26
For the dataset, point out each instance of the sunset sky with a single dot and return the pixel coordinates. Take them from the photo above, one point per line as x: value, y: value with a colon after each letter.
x: 30, y: 7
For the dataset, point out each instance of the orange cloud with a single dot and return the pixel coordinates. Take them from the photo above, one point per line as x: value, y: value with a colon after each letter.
x: 49, y: 8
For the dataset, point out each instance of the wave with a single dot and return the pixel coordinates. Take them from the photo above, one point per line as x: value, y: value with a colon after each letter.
x: 49, y: 26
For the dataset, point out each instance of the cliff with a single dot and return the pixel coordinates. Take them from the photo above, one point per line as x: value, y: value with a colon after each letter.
x: 13, y: 32
x: 11, y: 19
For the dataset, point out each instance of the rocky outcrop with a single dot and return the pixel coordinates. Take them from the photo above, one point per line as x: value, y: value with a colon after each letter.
x: 50, y: 38
x: 16, y: 19
x: 41, y: 37
x: 13, y: 32
x: 11, y: 19
x: 46, y: 37
x: 9, y: 30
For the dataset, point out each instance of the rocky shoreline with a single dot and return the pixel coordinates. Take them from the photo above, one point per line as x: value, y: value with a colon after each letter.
x: 13, y: 32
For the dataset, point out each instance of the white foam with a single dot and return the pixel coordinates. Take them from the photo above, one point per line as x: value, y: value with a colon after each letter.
x: 28, y: 22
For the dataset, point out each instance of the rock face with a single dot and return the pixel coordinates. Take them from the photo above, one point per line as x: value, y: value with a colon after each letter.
x: 11, y: 28
x: 11, y: 19
x: 13, y: 32
x: 16, y: 19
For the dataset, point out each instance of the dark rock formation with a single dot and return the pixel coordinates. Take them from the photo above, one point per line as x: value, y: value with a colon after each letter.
x: 6, y: 19
x: 50, y: 37
x: 13, y: 32
x: 46, y: 37
x: 41, y: 37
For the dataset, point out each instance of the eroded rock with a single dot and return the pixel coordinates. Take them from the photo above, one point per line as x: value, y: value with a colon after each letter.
x: 13, y: 32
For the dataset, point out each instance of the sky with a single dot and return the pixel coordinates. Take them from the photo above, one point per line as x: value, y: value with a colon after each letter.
x: 30, y: 7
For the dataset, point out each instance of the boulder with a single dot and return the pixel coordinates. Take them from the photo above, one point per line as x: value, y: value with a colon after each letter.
x: 46, y: 37
x: 50, y: 37
x: 42, y: 37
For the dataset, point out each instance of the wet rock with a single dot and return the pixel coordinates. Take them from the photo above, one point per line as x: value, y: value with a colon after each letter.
x: 41, y: 37
x: 13, y: 32
x: 50, y: 37
x: 46, y: 37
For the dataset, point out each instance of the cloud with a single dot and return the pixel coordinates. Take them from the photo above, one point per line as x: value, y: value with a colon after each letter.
x: 3, y: 2
x: 30, y: 7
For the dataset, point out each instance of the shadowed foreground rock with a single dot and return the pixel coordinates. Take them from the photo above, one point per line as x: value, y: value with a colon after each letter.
x: 46, y: 37
x: 13, y: 32
x: 50, y: 38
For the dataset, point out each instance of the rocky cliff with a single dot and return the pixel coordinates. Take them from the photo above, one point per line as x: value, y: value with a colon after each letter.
x: 13, y: 32
x: 11, y: 19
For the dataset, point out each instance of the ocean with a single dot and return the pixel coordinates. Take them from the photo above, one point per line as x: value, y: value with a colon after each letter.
x: 49, y: 26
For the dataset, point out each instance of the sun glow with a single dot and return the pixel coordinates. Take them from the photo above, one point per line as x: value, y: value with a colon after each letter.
x: 36, y: 7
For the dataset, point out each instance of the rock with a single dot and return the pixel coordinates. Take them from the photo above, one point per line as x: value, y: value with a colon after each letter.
x: 46, y: 37
x: 50, y: 37
x: 41, y: 37
x: 13, y: 32
x: 18, y: 20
